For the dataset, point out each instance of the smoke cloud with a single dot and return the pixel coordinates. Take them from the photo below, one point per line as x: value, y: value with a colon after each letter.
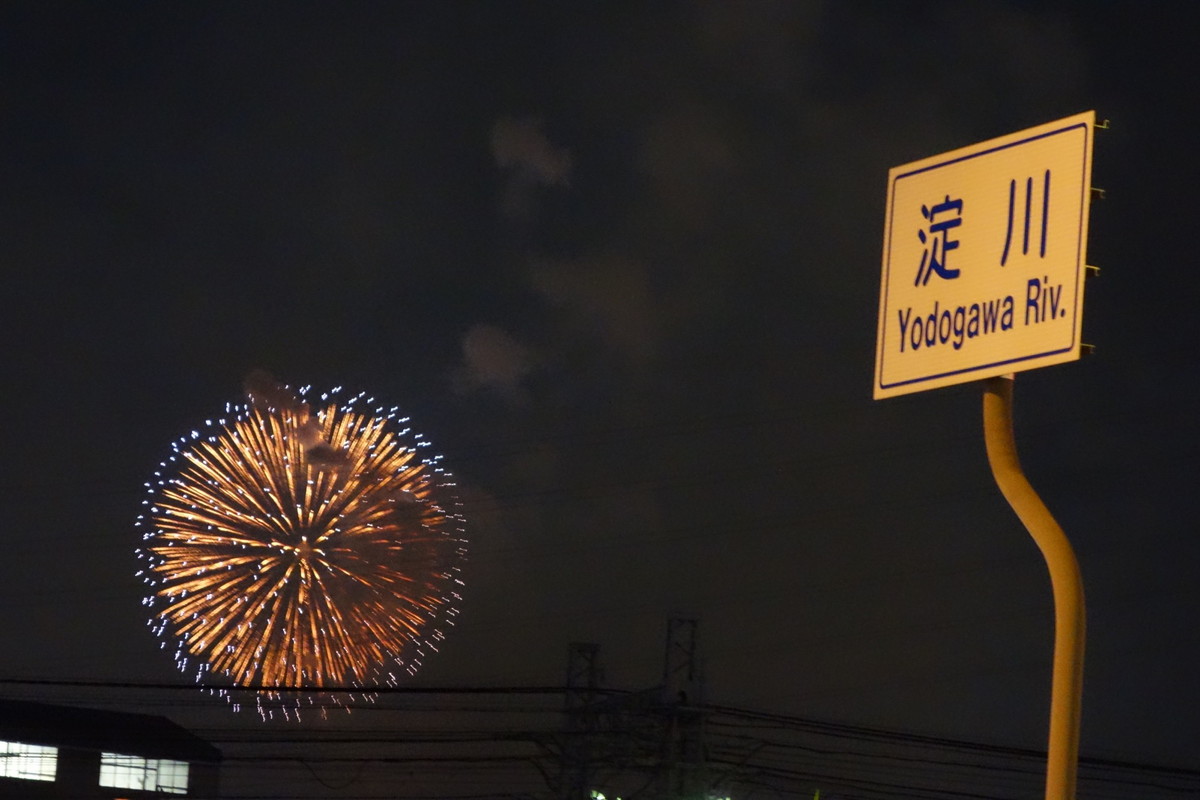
x: 494, y: 361
x: 521, y: 147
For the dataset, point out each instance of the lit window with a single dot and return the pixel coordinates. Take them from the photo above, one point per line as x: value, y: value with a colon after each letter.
x: 33, y: 762
x: 146, y: 774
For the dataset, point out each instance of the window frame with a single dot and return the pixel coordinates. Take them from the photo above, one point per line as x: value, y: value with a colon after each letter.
x: 125, y: 771
x: 28, y: 762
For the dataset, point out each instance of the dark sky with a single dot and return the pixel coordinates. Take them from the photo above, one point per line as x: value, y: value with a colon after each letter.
x: 620, y: 262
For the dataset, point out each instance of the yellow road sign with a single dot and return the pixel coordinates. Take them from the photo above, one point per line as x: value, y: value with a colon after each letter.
x: 984, y: 259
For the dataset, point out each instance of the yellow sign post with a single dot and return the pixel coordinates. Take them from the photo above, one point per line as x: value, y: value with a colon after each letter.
x: 983, y: 270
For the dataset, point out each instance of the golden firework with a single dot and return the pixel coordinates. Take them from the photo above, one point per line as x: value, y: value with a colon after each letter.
x: 295, y: 548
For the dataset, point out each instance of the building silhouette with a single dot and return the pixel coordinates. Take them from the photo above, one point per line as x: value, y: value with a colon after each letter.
x: 52, y: 751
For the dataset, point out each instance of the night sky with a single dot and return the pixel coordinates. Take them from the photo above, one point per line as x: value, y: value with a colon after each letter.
x: 620, y: 263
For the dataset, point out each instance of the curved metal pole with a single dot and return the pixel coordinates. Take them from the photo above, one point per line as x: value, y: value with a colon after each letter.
x: 1066, y: 689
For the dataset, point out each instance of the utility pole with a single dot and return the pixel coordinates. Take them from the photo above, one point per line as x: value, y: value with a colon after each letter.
x: 583, y: 680
x: 683, y: 758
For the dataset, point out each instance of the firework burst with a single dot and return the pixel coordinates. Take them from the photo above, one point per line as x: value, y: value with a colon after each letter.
x: 298, y: 544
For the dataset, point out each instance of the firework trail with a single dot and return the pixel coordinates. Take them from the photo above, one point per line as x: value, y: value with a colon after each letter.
x: 300, y: 544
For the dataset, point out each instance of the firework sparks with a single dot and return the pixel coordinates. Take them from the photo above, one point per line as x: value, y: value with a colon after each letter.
x: 301, y: 543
